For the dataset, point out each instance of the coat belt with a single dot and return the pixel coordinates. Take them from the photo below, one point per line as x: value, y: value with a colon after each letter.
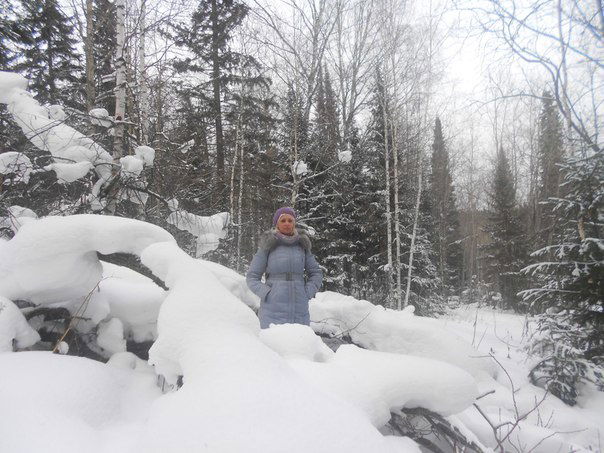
x: 288, y: 276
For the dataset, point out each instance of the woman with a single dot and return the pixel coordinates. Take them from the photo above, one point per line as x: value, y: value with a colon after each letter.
x: 284, y: 254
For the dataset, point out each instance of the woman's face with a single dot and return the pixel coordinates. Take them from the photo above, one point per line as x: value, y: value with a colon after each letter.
x: 286, y: 224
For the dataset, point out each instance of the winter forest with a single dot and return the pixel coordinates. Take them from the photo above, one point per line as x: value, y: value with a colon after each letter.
x: 444, y: 156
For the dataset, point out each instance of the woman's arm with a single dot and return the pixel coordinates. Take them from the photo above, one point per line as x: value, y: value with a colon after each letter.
x: 314, y: 274
x: 255, y: 272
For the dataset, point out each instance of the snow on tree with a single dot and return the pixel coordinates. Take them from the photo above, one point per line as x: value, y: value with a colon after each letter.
x: 50, y: 61
x: 208, y: 37
x: 444, y: 213
x: 569, y: 276
x: 550, y: 153
x: 208, y: 230
x: 505, y: 254
x: 73, y: 154
x: 15, y: 167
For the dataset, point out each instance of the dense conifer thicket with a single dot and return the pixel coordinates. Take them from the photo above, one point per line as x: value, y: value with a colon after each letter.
x: 329, y: 108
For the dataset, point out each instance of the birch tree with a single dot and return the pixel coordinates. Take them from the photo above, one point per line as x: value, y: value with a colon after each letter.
x: 120, y: 82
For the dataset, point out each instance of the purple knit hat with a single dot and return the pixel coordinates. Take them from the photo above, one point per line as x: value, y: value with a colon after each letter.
x: 279, y: 212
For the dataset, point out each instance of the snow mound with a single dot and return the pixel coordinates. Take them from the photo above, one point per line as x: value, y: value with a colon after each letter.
x: 209, y: 336
x: 110, y: 336
x: 132, y: 298
x: 380, y: 329
x: 75, y: 404
x: 129, y: 361
x: 14, y: 327
x: 54, y: 259
x: 378, y: 383
x: 234, y: 282
x: 293, y: 341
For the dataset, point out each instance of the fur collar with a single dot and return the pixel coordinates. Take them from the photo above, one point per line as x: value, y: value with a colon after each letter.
x: 268, y: 241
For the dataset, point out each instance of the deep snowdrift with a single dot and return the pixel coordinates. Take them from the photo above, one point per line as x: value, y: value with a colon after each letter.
x: 244, y: 389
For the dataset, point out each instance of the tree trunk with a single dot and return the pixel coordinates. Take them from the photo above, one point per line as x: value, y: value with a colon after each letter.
x: 397, y: 224
x: 239, y: 206
x: 120, y: 83
x: 415, y: 223
x: 142, y: 82
x: 88, y: 50
x: 216, y: 86
x: 387, y: 200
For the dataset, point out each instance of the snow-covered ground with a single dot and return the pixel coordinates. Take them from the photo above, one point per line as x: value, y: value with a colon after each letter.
x: 552, y: 423
x: 247, y: 390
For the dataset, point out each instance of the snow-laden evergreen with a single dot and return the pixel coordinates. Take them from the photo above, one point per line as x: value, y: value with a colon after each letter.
x: 570, y: 275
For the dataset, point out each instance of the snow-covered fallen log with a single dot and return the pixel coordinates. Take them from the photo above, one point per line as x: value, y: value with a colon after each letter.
x: 377, y: 328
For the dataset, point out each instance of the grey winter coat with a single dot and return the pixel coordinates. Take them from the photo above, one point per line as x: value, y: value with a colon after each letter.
x: 284, y: 298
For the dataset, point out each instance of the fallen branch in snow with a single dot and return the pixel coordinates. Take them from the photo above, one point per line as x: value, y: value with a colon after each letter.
x: 76, y: 316
x: 60, y: 315
x: 518, y: 416
x: 407, y: 425
x: 485, y: 394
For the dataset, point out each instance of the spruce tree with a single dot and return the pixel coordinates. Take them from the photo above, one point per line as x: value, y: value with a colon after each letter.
x: 251, y: 112
x: 505, y: 254
x: 371, y: 255
x: 320, y: 198
x: 295, y: 129
x: 104, y: 46
x: 569, y: 284
x: 208, y: 38
x: 445, y: 215
x: 50, y: 59
x: 12, y: 32
x: 331, y: 119
x: 550, y: 155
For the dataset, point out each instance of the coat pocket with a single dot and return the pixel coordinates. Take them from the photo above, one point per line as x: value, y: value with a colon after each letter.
x: 268, y: 295
x: 310, y: 291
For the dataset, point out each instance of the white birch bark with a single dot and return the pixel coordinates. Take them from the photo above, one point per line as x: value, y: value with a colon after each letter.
x: 88, y: 50
x: 421, y: 156
x: 387, y: 200
x: 414, y: 234
x: 232, y: 186
x: 120, y: 83
x: 142, y: 79
x: 397, y: 224
x: 240, y: 203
